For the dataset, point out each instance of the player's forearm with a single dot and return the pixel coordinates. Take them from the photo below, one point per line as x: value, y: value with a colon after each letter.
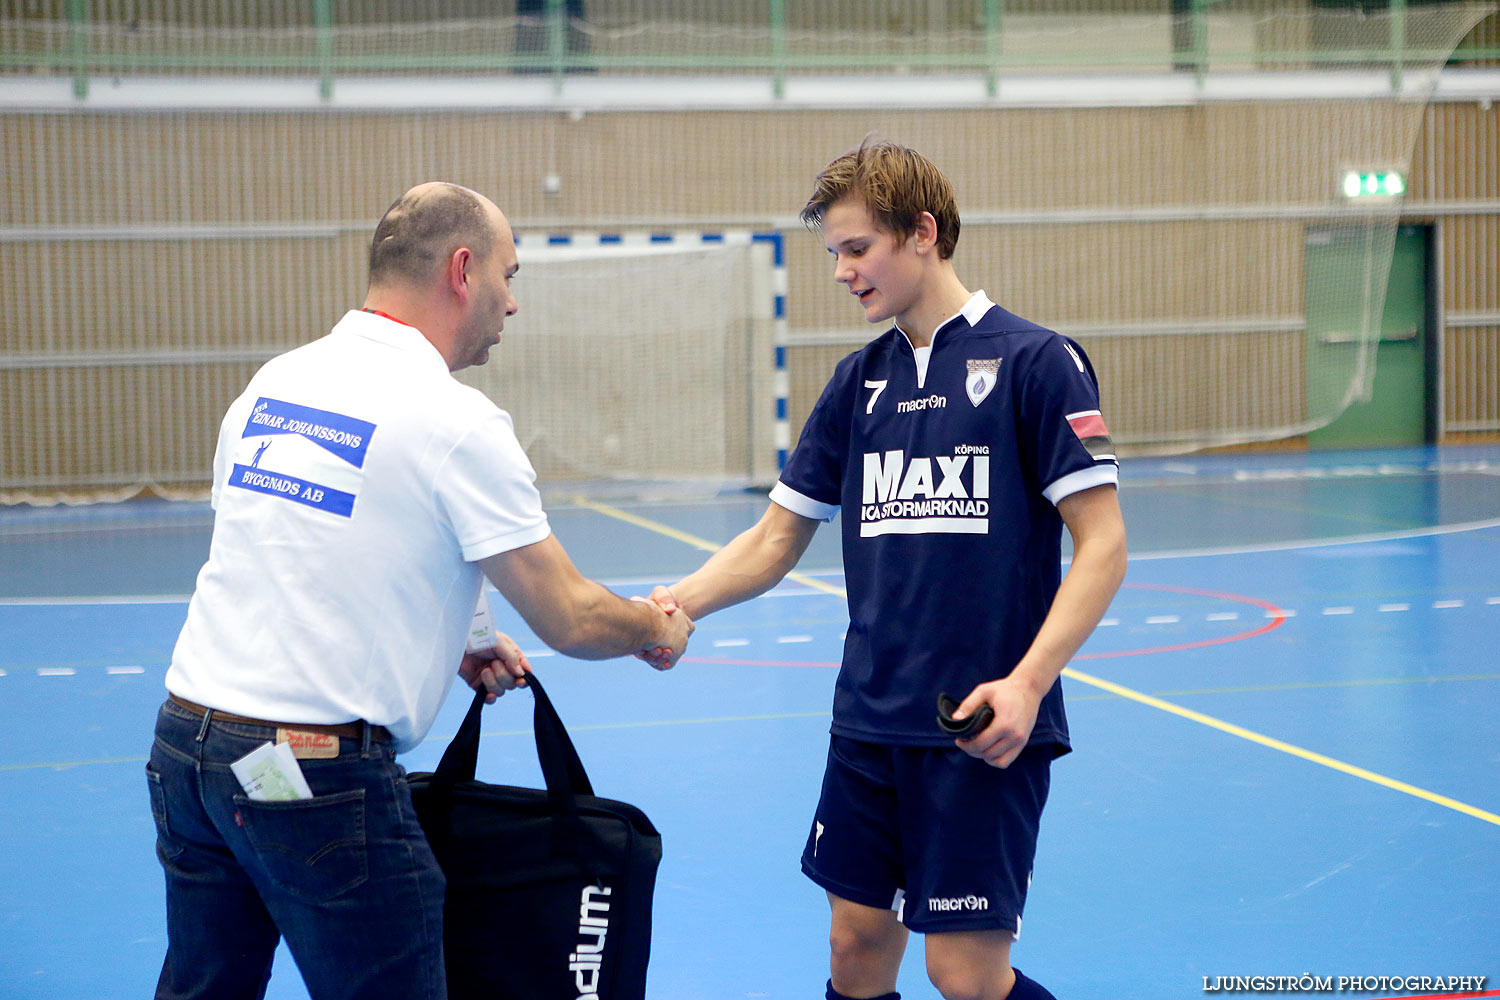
x: 754, y: 562
x: 734, y: 574
x: 1097, y: 570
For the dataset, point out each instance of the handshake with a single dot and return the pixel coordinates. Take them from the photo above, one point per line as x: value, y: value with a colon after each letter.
x: 494, y: 662
x: 667, y: 647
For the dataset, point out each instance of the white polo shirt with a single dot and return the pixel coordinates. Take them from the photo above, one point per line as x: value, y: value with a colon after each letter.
x: 356, y: 485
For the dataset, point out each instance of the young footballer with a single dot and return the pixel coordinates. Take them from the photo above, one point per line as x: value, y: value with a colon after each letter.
x: 957, y: 445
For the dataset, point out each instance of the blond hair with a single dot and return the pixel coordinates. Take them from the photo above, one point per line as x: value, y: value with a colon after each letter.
x: 896, y: 183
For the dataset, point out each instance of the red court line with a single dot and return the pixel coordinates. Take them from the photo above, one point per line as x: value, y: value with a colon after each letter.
x: 1278, y: 618
x: 759, y: 663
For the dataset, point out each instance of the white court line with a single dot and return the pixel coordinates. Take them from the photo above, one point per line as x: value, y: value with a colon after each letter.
x: 1224, y: 616
x: 1107, y: 622
x: 1394, y: 607
x: 721, y: 643
x: 794, y: 638
x: 1163, y: 620
x: 1318, y: 543
x: 1440, y: 605
x: 126, y: 670
x: 55, y: 671
x: 32, y: 602
x: 1342, y: 610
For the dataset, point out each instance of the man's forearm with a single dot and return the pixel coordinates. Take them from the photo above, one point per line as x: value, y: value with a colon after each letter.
x: 573, y: 614
x: 603, y: 625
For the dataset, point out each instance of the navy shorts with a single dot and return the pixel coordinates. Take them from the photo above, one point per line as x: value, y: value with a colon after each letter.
x: 945, y: 840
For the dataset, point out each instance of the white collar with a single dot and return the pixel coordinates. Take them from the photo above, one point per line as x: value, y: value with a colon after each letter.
x: 389, y: 332
x: 973, y: 311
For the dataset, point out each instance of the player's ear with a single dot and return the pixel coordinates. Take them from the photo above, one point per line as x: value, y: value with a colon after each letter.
x: 925, y: 236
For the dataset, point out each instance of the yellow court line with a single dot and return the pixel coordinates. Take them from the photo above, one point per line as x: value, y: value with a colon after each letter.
x: 59, y: 764
x: 1275, y: 744
x: 693, y: 540
x: 1116, y: 689
x: 1317, y: 685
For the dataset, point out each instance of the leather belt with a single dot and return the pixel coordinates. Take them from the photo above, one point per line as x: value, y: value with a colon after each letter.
x: 348, y: 730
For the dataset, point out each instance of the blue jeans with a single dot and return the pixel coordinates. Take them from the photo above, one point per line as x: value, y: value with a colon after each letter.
x: 346, y: 876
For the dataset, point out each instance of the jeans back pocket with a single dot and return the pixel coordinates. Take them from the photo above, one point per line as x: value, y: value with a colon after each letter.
x: 313, y: 849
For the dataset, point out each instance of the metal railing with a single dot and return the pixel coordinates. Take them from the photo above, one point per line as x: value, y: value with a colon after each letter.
x: 553, y: 42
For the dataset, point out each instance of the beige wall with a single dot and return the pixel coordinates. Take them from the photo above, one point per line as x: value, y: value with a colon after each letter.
x: 1053, y: 198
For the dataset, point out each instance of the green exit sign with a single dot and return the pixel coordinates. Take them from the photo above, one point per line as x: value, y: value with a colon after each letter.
x: 1374, y: 183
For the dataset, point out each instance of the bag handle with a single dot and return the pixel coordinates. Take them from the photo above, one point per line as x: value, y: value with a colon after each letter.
x: 561, y: 767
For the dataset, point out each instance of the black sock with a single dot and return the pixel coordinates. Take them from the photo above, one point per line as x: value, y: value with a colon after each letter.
x: 1027, y: 988
x: 834, y: 994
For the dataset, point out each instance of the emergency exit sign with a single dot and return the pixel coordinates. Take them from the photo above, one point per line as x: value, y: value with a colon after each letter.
x: 1373, y: 183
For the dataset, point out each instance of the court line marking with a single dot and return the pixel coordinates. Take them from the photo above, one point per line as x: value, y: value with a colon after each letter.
x: 1318, y: 543
x: 1287, y: 748
x: 447, y: 737
x: 1146, y: 699
x: 702, y: 544
x: 59, y: 764
x: 1303, y: 686
x: 32, y: 602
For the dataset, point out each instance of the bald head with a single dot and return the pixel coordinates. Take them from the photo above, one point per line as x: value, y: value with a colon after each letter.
x: 419, y: 233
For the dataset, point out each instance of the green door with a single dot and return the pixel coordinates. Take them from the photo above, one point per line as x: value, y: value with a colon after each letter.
x: 1398, y: 412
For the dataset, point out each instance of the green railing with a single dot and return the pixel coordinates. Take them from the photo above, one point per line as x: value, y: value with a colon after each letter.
x: 86, y: 47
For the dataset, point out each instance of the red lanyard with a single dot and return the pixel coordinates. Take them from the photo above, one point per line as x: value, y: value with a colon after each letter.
x: 388, y: 316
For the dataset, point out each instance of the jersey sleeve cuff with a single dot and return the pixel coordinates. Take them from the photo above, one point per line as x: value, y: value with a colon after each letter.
x: 1104, y: 474
x: 784, y: 496
x: 496, y: 544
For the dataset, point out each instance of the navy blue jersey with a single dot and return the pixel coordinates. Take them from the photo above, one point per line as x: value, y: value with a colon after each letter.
x: 948, y: 481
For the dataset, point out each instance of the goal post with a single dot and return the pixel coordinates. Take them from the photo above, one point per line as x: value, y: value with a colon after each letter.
x: 646, y: 360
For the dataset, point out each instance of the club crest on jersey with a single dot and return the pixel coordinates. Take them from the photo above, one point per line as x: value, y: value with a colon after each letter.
x: 983, y: 373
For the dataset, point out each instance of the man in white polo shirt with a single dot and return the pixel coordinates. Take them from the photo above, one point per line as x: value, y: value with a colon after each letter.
x: 360, y: 495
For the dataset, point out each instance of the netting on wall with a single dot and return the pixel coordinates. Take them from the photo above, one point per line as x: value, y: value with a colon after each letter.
x: 409, y: 37
x: 1185, y: 220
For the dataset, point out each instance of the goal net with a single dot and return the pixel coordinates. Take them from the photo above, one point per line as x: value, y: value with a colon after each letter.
x: 642, y: 360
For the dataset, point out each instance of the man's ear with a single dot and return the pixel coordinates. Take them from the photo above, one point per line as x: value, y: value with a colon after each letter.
x: 456, y: 275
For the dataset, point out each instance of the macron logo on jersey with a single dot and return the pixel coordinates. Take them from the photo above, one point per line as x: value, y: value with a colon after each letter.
x: 944, y: 494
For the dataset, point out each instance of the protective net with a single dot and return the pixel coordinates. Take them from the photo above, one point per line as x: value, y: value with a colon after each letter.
x: 1163, y: 181
x: 638, y: 363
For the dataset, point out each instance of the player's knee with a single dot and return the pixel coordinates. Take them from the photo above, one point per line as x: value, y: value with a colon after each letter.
x: 852, y: 946
x: 861, y: 943
x: 957, y: 981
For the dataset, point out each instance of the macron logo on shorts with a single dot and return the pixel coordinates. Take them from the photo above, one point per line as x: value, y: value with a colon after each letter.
x: 300, y: 453
x: 970, y: 903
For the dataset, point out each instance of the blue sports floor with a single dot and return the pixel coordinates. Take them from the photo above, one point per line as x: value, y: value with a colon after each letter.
x: 1286, y: 730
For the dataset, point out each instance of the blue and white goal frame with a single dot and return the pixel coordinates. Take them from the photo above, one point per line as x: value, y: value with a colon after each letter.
x: 781, y: 434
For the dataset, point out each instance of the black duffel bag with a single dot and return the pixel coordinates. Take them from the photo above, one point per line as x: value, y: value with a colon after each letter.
x: 549, y: 891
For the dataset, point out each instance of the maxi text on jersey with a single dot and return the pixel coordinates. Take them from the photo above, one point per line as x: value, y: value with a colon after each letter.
x: 921, y: 494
